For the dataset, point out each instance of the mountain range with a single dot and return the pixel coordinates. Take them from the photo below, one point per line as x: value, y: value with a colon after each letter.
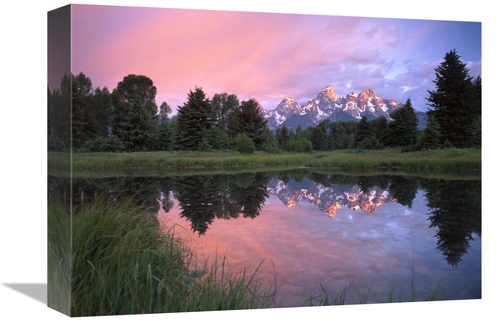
x: 329, y: 105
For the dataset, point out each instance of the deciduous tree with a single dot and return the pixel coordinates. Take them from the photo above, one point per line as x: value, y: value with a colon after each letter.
x: 223, y: 105
x: 134, y: 112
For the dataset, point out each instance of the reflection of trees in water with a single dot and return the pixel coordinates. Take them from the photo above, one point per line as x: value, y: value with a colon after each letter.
x: 165, y: 196
x: 249, y: 194
x: 455, y: 210
x: 144, y: 191
x: 205, y: 198
x: 454, y: 206
x: 200, y: 199
x: 367, y: 183
x: 403, y: 189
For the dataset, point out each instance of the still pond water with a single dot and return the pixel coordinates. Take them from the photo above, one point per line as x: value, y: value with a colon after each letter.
x: 314, y: 233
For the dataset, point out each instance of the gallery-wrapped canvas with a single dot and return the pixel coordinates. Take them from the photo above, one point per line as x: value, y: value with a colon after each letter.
x: 205, y: 160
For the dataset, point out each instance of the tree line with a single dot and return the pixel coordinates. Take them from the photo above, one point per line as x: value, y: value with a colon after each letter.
x: 127, y: 119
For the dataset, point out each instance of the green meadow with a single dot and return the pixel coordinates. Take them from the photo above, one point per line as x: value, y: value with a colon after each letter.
x: 438, y: 161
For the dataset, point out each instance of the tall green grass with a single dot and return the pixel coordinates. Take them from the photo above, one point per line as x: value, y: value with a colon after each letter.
x: 58, y: 256
x: 353, y: 296
x: 125, y: 263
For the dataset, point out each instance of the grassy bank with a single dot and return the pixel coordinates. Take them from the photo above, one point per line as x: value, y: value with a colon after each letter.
x: 444, y: 160
x: 123, y: 263
x: 58, y: 257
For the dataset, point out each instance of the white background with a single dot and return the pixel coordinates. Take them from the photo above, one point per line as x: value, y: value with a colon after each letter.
x: 23, y: 156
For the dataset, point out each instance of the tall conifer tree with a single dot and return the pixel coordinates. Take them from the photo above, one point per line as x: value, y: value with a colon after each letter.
x: 430, y: 138
x: 403, y: 129
x: 455, y: 103
x: 248, y: 119
x: 363, y: 131
x: 195, y: 122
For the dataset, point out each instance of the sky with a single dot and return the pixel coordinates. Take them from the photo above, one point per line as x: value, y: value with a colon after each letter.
x: 266, y: 56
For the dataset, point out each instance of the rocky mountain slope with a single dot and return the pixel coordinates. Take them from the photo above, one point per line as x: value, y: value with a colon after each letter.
x: 329, y: 105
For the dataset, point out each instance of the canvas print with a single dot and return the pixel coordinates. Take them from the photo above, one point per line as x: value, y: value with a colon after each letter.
x: 206, y: 160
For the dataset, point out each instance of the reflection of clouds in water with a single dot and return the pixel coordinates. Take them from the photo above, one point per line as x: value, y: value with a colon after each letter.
x: 303, y: 248
x: 406, y: 212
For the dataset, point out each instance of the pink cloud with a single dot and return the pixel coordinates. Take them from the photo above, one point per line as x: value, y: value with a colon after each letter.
x: 253, y: 55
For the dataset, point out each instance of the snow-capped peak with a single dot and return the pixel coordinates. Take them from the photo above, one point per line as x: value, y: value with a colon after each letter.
x: 327, y: 104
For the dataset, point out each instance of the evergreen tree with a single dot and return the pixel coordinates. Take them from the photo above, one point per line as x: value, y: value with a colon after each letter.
x: 244, y: 144
x: 165, y: 136
x: 456, y: 100
x: 318, y: 138
x: 59, y: 119
x: 91, y: 111
x: 134, y: 112
x: 477, y: 94
x: 474, y: 137
x: 363, y: 131
x: 112, y: 144
x: 79, y: 111
x: 298, y: 131
x: 283, y: 137
x: 338, y: 132
x: 431, y: 135
x: 325, y: 126
x: 403, y: 129
x: 343, y: 134
x: 194, y: 122
x: 381, y: 128
x: 248, y: 119
x: 100, y: 114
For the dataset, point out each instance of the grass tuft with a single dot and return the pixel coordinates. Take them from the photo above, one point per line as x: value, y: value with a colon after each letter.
x: 123, y: 263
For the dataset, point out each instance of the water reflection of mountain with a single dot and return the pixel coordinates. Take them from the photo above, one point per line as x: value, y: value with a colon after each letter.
x: 329, y: 198
x: 454, y: 205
